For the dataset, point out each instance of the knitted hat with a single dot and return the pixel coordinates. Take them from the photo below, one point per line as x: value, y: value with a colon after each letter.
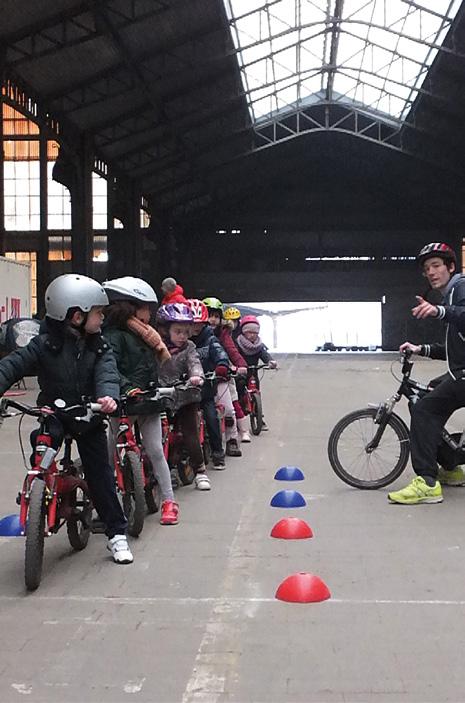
x: 250, y: 327
x: 168, y: 284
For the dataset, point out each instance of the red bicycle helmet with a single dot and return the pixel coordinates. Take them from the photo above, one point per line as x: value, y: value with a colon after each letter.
x: 248, y: 319
x: 444, y: 251
x: 199, y: 310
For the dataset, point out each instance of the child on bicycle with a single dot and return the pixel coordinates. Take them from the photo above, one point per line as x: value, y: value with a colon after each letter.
x: 174, y: 322
x: 72, y: 360
x: 227, y: 393
x: 231, y: 320
x: 139, y: 351
x: 213, y: 358
x: 252, y: 348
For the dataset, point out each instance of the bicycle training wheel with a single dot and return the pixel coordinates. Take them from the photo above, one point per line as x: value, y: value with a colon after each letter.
x: 35, y: 533
x: 256, y: 415
x: 79, y: 526
x: 134, y: 504
x: 357, y: 467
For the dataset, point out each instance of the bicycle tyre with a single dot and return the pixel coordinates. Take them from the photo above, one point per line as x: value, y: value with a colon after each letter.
x: 35, y: 535
x: 80, y: 528
x: 256, y: 416
x: 151, y: 487
x: 134, y: 504
x: 401, y: 435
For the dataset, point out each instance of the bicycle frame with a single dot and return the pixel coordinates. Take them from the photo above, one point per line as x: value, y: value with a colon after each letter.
x: 125, y: 441
x: 58, y: 477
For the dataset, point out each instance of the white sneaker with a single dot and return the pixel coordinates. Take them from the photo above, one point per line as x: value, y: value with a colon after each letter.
x: 119, y: 548
x: 202, y: 482
x: 245, y: 437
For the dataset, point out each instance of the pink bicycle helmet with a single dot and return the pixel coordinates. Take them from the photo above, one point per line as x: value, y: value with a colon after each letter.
x: 247, y: 319
x: 199, y: 310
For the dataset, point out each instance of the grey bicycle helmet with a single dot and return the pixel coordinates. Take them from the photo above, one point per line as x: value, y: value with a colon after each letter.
x: 130, y: 288
x: 72, y: 290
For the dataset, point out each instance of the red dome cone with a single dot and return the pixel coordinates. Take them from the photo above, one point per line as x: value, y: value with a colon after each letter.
x: 303, y: 588
x: 291, y: 528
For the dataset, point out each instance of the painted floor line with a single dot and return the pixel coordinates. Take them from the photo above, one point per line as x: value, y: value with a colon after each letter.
x: 147, y: 600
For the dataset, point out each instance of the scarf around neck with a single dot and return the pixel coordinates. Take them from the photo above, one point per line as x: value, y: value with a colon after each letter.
x: 249, y: 347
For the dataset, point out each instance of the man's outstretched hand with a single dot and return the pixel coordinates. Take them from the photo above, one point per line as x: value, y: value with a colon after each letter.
x: 424, y: 309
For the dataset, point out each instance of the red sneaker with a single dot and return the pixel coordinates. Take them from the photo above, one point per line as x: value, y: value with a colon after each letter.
x: 169, y: 513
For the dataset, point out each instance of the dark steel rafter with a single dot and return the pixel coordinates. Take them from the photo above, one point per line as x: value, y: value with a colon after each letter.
x: 119, y: 118
x: 132, y: 62
x: 58, y: 44
x: 166, y: 49
x: 63, y: 42
x: 39, y: 26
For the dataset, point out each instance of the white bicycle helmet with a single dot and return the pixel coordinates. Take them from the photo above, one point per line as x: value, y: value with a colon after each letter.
x: 72, y: 290
x: 130, y: 288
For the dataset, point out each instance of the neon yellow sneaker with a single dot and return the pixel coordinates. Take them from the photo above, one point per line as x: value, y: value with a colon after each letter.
x: 417, y: 492
x: 456, y: 477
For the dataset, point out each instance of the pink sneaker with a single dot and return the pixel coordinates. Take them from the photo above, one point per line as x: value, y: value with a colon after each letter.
x: 169, y: 513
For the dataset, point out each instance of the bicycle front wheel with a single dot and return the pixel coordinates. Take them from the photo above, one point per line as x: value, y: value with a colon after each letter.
x: 79, y: 526
x: 134, y: 504
x: 256, y: 415
x: 359, y: 467
x: 35, y: 533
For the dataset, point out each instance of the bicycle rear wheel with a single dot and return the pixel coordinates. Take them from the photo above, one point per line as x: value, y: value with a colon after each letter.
x: 134, y: 504
x: 256, y: 415
x: 35, y: 534
x: 354, y: 464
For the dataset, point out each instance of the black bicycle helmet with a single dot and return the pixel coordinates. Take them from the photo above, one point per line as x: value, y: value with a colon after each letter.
x: 444, y: 251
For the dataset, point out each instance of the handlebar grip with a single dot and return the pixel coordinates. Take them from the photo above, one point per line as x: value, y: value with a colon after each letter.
x: 95, y: 407
x: 166, y: 392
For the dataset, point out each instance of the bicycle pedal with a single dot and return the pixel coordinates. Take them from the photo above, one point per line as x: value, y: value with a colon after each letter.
x: 98, y: 527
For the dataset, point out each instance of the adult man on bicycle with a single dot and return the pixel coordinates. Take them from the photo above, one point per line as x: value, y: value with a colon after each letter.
x: 431, y: 412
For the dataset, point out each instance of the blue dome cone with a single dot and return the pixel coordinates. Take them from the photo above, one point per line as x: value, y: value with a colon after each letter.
x: 10, y: 526
x: 289, y: 473
x: 288, y: 499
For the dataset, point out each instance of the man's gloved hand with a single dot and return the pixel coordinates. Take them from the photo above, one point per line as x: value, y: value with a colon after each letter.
x: 273, y: 364
x: 133, y: 392
x: 242, y: 370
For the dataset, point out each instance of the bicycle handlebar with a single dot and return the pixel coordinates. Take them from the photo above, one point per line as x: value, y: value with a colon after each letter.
x: 88, y: 409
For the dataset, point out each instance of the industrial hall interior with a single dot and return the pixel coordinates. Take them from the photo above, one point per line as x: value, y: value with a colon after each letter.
x: 266, y: 150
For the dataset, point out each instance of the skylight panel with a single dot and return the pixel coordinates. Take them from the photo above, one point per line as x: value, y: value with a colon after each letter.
x: 375, y: 52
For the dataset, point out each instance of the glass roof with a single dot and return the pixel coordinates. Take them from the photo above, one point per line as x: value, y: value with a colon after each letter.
x: 374, y: 53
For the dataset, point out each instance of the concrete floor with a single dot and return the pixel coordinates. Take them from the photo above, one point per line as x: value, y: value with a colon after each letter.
x: 195, y: 618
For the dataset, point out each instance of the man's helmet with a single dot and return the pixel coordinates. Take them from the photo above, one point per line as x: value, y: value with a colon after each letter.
x: 232, y: 313
x: 247, y: 319
x: 174, y: 312
x: 130, y: 288
x: 199, y: 310
x: 444, y: 251
x: 71, y: 290
x: 214, y: 304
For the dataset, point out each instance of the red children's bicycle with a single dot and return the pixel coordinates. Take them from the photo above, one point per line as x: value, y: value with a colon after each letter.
x: 53, y: 493
x: 251, y: 399
x: 135, y: 477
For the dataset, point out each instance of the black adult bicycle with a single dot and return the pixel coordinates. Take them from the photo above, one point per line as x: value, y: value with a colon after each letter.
x: 369, y: 448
